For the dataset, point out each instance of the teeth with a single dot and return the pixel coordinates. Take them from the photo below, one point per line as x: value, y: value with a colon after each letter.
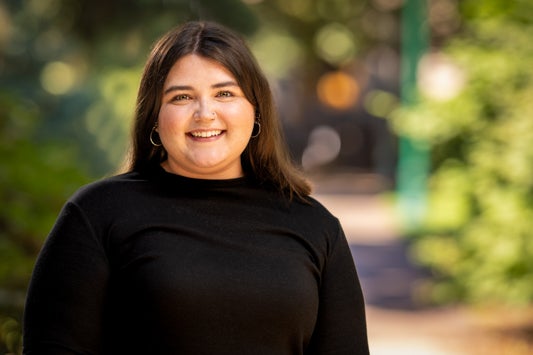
x: 206, y: 134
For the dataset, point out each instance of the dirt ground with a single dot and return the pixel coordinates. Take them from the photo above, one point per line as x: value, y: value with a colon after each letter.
x: 450, y: 332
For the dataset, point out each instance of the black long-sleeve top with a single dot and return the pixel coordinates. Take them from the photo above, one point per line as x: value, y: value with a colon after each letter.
x: 163, y: 264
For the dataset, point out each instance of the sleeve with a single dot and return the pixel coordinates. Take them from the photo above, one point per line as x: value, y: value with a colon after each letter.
x: 341, y: 323
x: 66, y: 296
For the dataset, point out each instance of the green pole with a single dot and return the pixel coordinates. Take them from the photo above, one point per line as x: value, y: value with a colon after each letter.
x: 413, y: 157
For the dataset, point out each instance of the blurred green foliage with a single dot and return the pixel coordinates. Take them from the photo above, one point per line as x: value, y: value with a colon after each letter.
x: 10, y: 336
x: 36, y: 177
x: 477, y: 234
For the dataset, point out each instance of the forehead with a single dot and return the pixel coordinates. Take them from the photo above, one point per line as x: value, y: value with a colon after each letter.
x: 193, y: 67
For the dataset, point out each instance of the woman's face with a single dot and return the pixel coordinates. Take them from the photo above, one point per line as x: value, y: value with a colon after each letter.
x: 205, y: 121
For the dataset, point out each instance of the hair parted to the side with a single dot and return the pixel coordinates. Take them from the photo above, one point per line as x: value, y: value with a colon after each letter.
x: 266, y: 157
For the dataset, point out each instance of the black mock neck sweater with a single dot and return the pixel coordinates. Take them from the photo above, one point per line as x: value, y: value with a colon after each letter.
x: 162, y: 264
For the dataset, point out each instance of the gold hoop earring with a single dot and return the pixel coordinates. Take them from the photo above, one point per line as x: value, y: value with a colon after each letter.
x: 154, y: 128
x: 256, y: 134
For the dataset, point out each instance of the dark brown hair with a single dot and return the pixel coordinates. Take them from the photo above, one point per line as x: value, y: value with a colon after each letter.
x: 266, y: 157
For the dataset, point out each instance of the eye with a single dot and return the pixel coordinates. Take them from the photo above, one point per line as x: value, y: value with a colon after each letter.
x: 181, y: 97
x: 225, y: 94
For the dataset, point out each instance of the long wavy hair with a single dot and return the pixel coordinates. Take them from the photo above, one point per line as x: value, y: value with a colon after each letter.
x: 266, y: 157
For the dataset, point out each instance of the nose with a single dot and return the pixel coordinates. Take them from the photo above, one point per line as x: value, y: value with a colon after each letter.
x: 204, y: 111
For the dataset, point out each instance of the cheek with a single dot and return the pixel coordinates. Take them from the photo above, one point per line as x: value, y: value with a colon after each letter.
x: 163, y: 117
x: 169, y: 120
x: 242, y: 118
x: 245, y: 128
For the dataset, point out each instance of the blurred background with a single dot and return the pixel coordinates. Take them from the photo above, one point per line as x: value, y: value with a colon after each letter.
x: 413, y: 119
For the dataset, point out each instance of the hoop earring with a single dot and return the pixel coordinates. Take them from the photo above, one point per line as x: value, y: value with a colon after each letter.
x: 258, y: 130
x: 152, y: 138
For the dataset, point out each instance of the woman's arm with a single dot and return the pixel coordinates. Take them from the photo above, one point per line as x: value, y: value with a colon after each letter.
x: 65, y: 301
x: 341, y: 322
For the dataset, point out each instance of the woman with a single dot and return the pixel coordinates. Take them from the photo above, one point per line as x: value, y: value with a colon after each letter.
x: 210, y: 244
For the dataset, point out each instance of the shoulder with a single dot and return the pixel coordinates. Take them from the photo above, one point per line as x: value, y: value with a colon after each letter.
x: 107, y: 190
x: 311, y: 205
x: 310, y: 212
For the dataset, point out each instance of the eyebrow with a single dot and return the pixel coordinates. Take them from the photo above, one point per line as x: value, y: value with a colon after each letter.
x: 187, y: 87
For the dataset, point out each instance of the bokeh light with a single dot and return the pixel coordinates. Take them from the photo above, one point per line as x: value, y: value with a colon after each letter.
x: 443, y: 17
x: 380, y: 103
x: 267, y: 46
x: 338, y: 90
x: 336, y: 10
x: 335, y: 43
x: 298, y: 8
x: 439, y: 77
x: 324, y: 145
x: 58, y: 78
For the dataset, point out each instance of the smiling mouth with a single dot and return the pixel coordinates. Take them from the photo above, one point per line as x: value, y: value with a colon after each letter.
x: 206, y: 134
